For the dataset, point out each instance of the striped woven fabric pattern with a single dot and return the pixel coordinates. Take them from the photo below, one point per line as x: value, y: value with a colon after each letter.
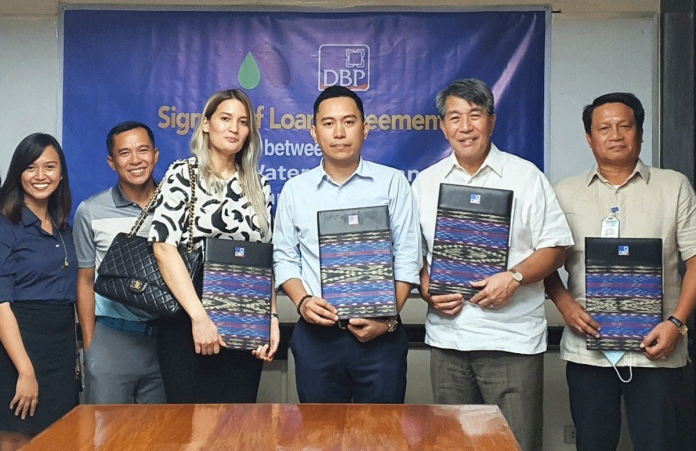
x: 238, y: 301
x: 467, y: 247
x: 627, y: 303
x: 357, y: 275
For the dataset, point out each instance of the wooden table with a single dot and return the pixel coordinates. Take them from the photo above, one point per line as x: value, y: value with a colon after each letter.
x: 278, y: 426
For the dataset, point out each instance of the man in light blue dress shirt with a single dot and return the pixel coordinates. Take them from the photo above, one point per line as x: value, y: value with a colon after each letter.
x: 366, y: 361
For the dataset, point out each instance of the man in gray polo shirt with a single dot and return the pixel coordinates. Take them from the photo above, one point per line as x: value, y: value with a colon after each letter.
x: 121, y: 365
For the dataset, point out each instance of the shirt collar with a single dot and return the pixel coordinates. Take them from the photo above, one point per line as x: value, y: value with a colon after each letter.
x: 641, y: 169
x: 493, y: 161
x: 119, y: 198
x: 363, y: 170
x: 28, y: 217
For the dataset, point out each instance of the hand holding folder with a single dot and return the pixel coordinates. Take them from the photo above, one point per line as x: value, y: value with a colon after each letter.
x: 623, y: 284
x: 472, y: 234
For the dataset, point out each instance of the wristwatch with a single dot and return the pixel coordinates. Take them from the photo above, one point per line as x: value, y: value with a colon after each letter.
x: 680, y: 325
x: 392, y: 323
x: 516, y: 275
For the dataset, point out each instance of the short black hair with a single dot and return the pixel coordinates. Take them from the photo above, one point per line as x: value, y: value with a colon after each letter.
x: 124, y: 127
x: 627, y: 98
x: 333, y: 92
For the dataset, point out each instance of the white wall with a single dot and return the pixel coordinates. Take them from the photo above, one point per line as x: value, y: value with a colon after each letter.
x: 590, y: 58
x: 29, y: 81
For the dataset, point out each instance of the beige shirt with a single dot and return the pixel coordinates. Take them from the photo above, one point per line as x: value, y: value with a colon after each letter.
x: 653, y: 203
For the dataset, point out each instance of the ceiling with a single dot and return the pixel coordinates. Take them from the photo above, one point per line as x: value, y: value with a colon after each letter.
x: 34, y: 8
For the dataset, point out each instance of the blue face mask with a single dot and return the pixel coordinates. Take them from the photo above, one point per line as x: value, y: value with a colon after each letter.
x: 613, y: 357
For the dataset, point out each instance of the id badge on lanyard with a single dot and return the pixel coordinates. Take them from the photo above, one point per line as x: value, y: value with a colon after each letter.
x: 610, y: 225
x: 610, y: 229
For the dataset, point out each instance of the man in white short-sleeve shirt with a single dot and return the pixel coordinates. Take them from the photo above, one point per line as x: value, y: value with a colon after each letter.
x: 489, y: 349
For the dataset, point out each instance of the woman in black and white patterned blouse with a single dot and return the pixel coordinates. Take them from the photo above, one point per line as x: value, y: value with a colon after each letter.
x: 233, y: 201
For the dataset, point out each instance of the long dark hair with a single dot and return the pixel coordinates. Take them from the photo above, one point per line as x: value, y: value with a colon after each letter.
x: 12, y: 193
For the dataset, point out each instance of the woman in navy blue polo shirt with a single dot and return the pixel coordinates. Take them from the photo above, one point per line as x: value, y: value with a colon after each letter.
x: 38, y: 276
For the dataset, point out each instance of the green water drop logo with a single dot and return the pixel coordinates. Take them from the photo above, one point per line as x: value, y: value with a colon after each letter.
x: 249, y: 75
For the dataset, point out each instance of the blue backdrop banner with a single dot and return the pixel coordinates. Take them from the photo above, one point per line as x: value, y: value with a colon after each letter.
x: 159, y: 67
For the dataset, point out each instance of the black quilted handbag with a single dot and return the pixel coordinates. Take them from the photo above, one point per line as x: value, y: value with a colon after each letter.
x: 129, y: 273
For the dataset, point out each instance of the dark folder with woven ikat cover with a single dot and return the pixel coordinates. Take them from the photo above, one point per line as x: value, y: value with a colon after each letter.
x: 623, y: 285
x: 472, y: 235
x: 357, y: 268
x: 237, y: 288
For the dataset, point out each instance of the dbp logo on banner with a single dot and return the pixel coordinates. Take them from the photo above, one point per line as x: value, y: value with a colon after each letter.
x: 344, y: 65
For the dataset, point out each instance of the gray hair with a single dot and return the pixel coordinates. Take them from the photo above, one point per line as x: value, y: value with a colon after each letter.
x: 473, y: 90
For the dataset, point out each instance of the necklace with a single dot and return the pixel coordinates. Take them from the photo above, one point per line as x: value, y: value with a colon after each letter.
x: 65, y: 249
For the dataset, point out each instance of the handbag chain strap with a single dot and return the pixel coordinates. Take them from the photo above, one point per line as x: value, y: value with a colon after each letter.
x: 191, y: 208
